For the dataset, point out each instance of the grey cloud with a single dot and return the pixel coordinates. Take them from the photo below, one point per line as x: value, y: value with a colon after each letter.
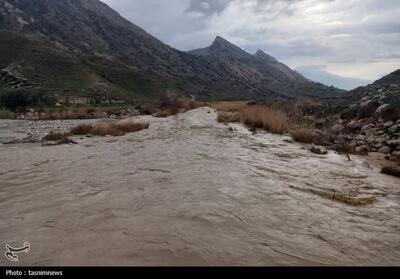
x: 390, y: 56
x: 207, y: 7
x: 341, y: 34
x: 299, y: 47
x: 277, y: 8
x: 210, y: 7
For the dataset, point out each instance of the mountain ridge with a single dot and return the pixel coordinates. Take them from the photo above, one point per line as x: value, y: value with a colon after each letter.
x: 101, y: 40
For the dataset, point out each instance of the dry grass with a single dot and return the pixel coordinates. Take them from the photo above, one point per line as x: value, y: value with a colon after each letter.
x: 391, y: 170
x: 163, y: 114
x: 280, y: 117
x: 106, y: 129
x: 115, y: 129
x: 56, y: 136
x: 128, y: 126
x: 259, y: 116
x: 309, y: 135
x: 229, y: 117
x: 228, y: 106
x: 171, y: 107
x: 253, y: 115
x: 303, y: 135
x: 81, y: 129
x: 7, y: 115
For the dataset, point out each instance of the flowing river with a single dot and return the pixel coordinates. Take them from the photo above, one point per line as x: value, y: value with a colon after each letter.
x: 191, y: 191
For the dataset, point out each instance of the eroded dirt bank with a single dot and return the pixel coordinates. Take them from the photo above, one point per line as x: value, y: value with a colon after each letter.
x: 188, y: 191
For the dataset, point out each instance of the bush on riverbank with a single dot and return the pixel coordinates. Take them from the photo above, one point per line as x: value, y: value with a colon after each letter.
x: 56, y: 136
x: 303, y: 135
x: 253, y: 115
x: 271, y: 120
x: 109, y: 128
x: 229, y: 117
x: 171, y: 105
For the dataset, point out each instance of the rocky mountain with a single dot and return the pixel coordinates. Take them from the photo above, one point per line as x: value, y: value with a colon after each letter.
x: 259, y: 66
x: 369, y: 117
x: 270, y: 65
x: 260, y: 72
x: 380, y: 99
x: 83, y: 46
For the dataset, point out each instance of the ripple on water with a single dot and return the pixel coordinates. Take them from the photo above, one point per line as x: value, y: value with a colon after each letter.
x: 190, y: 191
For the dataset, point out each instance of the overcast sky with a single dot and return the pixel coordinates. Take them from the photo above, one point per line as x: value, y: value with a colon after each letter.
x: 357, y: 39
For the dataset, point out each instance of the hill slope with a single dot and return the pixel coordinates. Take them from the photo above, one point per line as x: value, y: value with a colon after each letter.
x: 61, y: 72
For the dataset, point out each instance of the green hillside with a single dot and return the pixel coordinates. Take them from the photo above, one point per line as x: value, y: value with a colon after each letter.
x: 58, y: 72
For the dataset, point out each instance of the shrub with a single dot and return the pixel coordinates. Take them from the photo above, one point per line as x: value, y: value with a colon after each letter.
x: 130, y: 127
x: 109, y: 128
x: 303, y: 135
x: 81, y: 129
x: 56, y: 136
x: 173, y: 106
x: 343, y: 148
x: 162, y: 114
x: 259, y: 116
x: 104, y: 129
x: 228, y: 106
x: 229, y: 117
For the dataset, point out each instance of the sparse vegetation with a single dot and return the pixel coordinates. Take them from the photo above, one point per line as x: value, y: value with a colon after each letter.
x: 253, y: 115
x: 109, y: 128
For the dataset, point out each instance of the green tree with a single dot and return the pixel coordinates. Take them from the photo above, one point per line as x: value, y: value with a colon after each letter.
x: 19, y: 100
x: 15, y: 100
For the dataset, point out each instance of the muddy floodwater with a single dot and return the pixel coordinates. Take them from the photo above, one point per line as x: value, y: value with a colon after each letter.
x: 191, y: 191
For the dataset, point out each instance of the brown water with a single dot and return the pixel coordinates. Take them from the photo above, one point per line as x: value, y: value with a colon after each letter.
x: 190, y: 192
